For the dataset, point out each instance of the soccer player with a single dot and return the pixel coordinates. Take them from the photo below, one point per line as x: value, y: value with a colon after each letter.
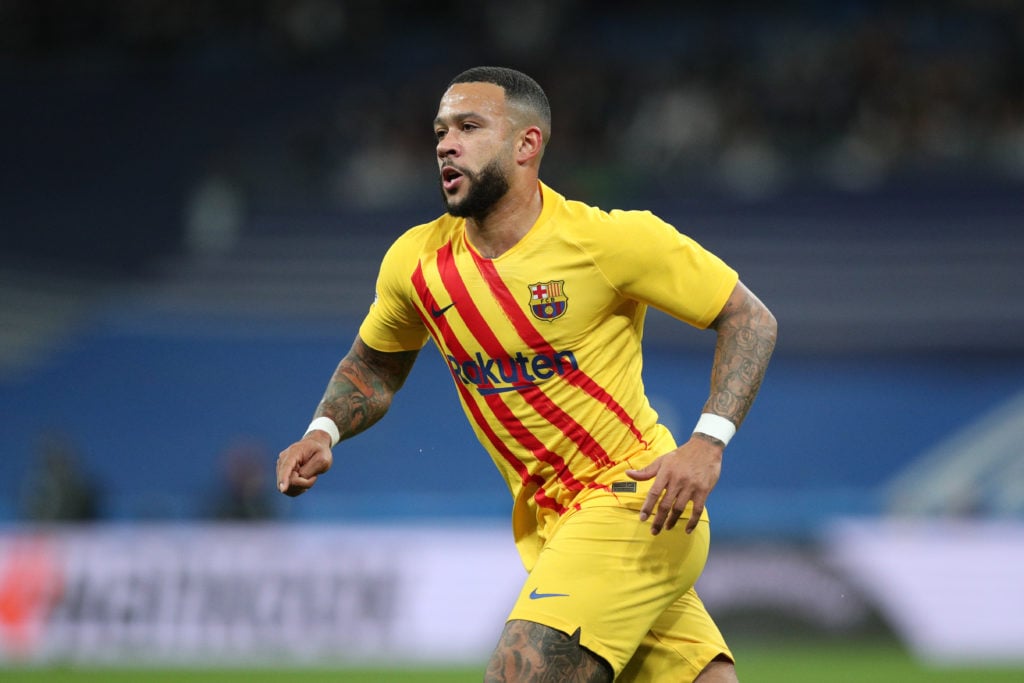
x: 537, y: 303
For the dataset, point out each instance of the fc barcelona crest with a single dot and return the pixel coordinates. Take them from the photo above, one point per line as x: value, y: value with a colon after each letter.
x: 548, y: 300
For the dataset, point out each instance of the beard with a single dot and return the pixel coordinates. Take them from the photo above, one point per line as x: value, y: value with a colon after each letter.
x: 486, y: 187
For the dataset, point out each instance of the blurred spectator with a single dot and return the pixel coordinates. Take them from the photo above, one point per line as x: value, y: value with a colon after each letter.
x: 57, y: 489
x: 215, y: 211
x: 245, y: 491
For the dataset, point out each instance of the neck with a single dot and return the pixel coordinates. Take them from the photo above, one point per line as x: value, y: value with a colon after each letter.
x: 508, y: 223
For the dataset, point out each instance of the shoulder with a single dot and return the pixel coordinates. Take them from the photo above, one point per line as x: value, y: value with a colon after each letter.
x: 421, y: 239
x: 595, y: 227
x: 437, y: 231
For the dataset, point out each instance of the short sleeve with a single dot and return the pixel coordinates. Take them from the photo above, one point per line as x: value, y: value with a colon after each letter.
x: 652, y: 262
x: 393, y: 324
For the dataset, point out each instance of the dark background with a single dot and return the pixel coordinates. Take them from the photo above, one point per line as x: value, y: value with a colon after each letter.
x: 196, y: 196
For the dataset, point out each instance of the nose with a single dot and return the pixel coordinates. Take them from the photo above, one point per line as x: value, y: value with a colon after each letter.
x: 447, y: 146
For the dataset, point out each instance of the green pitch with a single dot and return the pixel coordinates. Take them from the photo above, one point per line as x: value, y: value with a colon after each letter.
x: 760, y: 663
x: 854, y: 663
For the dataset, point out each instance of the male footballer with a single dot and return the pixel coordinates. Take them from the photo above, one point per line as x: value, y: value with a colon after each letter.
x: 537, y: 303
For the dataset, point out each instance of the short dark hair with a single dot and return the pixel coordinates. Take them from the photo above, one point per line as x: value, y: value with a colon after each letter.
x: 519, y: 88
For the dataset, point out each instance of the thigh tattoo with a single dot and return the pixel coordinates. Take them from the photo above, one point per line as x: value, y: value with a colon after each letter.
x: 532, y: 653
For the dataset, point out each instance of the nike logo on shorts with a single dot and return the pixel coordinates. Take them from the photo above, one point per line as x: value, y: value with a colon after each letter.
x: 534, y: 595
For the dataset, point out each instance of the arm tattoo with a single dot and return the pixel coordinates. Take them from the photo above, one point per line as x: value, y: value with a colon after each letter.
x: 532, y: 653
x: 746, y: 339
x: 360, y: 392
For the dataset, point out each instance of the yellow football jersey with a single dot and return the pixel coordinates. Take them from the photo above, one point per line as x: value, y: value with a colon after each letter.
x: 543, y: 343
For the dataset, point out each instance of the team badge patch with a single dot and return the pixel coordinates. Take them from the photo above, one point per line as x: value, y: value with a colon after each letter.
x: 548, y: 300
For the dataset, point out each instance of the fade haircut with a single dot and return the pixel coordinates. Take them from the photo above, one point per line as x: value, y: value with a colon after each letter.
x: 520, y: 90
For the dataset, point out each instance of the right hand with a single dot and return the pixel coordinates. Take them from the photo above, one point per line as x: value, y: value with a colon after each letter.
x: 300, y: 464
x: 686, y: 474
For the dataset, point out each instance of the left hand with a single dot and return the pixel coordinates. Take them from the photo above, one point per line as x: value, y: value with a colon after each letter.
x: 686, y: 474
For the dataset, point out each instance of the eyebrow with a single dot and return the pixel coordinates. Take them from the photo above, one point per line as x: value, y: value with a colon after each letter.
x: 461, y: 116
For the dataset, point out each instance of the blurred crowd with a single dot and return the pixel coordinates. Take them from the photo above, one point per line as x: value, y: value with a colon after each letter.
x: 61, y: 484
x: 649, y: 98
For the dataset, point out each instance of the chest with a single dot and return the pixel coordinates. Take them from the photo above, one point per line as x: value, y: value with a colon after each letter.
x: 551, y: 298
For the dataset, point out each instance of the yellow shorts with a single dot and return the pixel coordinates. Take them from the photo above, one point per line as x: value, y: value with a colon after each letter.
x: 629, y: 592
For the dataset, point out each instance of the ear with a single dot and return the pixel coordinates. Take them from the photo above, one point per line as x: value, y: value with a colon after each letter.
x: 529, y: 145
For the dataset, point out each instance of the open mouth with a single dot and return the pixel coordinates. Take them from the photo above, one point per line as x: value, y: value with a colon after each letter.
x: 450, y: 178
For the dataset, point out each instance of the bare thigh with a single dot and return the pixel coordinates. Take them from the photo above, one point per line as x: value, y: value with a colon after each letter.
x: 532, y: 653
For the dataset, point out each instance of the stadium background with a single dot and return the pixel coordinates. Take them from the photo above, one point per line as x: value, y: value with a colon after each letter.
x: 196, y: 195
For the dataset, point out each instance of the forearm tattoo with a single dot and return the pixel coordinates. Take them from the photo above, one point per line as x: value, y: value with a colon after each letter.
x: 531, y: 653
x: 361, y: 389
x: 746, y: 339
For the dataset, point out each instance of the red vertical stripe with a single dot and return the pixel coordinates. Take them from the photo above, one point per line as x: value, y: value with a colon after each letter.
x: 529, y: 334
x: 443, y: 331
x: 456, y: 287
x: 544, y: 406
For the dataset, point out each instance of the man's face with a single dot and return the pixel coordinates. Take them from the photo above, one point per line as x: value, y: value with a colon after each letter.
x: 473, y: 149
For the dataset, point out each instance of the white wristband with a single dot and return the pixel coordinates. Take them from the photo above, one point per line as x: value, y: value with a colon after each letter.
x: 716, y: 427
x: 326, y: 424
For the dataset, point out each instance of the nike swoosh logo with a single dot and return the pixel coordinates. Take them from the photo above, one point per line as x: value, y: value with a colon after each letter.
x: 438, y: 312
x: 534, y: 595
